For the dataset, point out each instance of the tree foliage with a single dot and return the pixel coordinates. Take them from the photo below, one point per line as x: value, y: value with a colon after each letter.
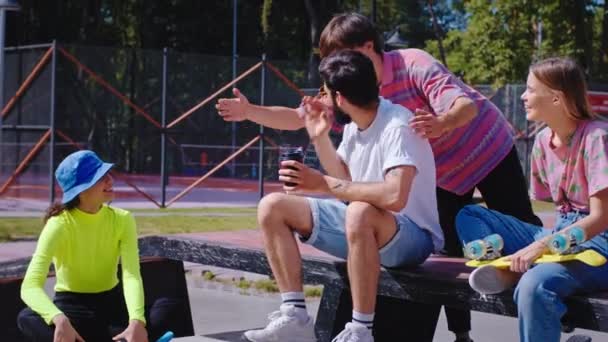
x: 502, y: 38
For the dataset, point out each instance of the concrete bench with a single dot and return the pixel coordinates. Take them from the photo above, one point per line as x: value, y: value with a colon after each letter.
x: 408, y: 298
x: 161, y: 277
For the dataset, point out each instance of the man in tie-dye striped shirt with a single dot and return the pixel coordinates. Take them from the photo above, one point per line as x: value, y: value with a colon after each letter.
x: 471, y: 140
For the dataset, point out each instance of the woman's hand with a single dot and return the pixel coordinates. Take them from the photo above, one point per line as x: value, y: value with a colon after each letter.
x: 135, y: 332
x: 523, y: 259
x: 64, y: 331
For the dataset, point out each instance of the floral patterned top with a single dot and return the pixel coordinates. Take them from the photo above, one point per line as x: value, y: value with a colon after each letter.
x: 568, y: 175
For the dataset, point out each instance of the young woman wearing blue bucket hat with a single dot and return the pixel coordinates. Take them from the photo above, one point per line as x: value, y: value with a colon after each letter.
x: 84, y: 238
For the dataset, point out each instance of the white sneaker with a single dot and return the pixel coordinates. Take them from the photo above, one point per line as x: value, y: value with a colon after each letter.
x: 284, y: 326
x: 488, y: 279
x: 354, y: 332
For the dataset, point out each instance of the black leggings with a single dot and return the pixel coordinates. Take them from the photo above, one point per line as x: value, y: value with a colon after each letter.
x: 98, y: 316
x: 504, y: 189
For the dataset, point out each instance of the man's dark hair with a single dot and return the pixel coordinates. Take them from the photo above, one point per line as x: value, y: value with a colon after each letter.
x: 352, y: 74
x: 348, y: 31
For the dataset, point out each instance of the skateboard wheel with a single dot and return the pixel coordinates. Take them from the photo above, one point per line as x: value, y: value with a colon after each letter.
x: 475, y: 249
x: 577, y: 234
x: 559, y: 244
x: 495, y: 241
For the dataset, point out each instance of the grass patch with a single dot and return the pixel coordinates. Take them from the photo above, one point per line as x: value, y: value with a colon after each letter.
x: 266, y: 285
x: 243, y: 283
x: 208, y: 275
x: 313, y: 291
x: 539, y: 206
x: 172, y: 223
x: 16, y: 228
x: 211, y: 210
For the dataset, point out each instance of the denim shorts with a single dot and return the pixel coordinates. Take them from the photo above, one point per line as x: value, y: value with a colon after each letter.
x: 410, y: 246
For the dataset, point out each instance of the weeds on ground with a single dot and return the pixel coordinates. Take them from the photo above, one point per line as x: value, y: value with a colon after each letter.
x: 262, y: 285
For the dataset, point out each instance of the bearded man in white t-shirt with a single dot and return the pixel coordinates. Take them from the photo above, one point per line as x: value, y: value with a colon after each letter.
x: 384, y: 213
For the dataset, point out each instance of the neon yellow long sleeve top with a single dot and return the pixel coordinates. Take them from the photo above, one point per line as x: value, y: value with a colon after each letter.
x: 85, y: 249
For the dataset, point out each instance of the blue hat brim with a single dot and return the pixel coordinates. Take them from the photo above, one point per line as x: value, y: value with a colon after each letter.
x: 75, y: 191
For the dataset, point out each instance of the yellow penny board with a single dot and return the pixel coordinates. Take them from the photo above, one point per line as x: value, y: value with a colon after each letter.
x: 588, y: 256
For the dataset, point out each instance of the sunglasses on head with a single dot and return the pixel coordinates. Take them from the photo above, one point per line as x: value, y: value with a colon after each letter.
x: 322, y: 91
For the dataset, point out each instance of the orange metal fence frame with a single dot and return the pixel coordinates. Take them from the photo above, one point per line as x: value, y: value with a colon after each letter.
x: 214, y: 95
x: 37, y: 69
x: 141, y: 111
x: 111, y: 89
x: 28, y: 81
x: 229, y: 158
x: 212, y: 171
x: 284, y: 78
x: 25, y: 161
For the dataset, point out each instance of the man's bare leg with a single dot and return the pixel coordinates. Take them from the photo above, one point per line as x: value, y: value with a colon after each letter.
x: 279, y: 216
x: 368, y: 229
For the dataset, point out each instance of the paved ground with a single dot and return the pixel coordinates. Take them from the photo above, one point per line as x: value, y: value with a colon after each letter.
x: 222, y: 313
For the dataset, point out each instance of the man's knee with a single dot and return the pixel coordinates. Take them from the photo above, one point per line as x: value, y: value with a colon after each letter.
x: 269, y: 208
x: 358, y: 220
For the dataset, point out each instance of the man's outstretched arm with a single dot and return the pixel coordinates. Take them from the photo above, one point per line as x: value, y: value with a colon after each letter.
x: 239, y: 109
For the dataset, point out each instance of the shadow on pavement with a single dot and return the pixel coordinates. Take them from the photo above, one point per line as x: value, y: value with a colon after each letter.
x: 229, y: 336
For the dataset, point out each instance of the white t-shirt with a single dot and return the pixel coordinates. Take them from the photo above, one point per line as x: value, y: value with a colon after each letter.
x: 389, y: 142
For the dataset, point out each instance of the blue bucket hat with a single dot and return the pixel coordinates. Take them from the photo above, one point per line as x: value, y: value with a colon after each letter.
x: 78, y: 172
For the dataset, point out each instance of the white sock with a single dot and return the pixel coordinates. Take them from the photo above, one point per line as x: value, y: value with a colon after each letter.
x: 364, y: 319
x: 296, y: 299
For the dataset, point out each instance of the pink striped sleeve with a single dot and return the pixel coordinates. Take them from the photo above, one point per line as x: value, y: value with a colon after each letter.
x: 440, y: 87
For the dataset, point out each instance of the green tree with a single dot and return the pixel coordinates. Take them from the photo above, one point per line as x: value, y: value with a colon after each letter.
x: 502, y: 38
x: 489, y: 50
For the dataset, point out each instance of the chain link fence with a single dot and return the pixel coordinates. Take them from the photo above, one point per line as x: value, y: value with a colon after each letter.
x: 142, y: 109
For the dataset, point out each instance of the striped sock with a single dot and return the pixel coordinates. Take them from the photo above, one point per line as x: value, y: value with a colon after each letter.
x: 296, y: 299
x: 365, y: 319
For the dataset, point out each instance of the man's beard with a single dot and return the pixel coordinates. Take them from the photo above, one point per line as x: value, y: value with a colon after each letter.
x: 339, y: 115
